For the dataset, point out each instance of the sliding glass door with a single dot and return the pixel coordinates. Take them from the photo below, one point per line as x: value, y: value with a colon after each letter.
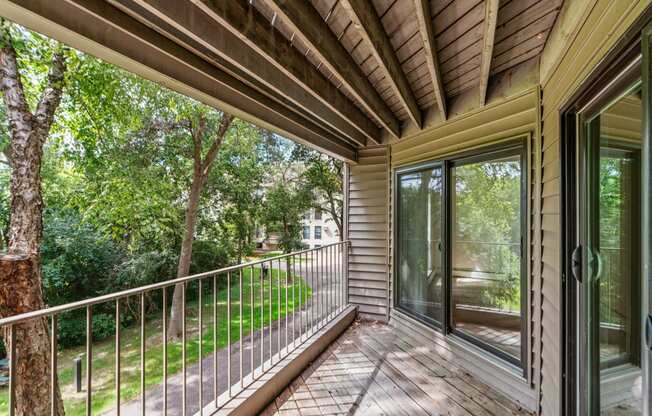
x: 419, y: 242
x: 486, y: 241
x: 459, y: 227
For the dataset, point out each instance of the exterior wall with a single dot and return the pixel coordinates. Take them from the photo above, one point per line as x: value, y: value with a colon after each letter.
x: 506, y: 119
x: 329, y: 233
x: 586, y: 31
x: 368, y: 231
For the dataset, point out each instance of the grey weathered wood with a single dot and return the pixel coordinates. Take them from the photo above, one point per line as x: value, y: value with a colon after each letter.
x: 187, y: 24
x: 430, y: 49
x: 302, y: 17
x: 245, y: 21
x: 490, y: 19
x: 371, y: 29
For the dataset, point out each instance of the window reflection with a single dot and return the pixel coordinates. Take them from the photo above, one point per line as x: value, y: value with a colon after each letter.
x: 419, y: 267
x: 486, y: 252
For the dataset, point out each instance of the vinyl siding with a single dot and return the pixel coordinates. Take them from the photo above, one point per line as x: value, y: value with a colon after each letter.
x: 591, y: 35
x: 368, y: 231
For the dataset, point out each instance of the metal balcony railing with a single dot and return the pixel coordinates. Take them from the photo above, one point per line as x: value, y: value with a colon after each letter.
x: 319, y: 275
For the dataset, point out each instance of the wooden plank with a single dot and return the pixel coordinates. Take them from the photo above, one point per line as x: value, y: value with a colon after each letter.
x: 185, y: 23
x: 245, y: 21
x: 490, y: 19
x: 306, y: 21
x: 368, y: 23
x: 424, y: 21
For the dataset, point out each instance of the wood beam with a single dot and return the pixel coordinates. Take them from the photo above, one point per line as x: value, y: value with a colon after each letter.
x: 98, y: 28
x: 190, y: 27
x: 244, y: 21
x: 368, y: 23
x: 307, y: 23
x: 424, y: 21
x: 490, y: 19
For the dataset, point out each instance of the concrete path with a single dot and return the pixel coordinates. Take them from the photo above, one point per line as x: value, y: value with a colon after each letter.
x: 326, y: 290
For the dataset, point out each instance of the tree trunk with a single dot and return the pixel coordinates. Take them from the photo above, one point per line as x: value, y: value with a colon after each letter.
x: 176, y: 313
x: 19, y: 274
x: 202, y: 169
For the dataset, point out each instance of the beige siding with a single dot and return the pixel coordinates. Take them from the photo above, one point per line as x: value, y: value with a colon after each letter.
x: 368, y: 232
x: 578, y: 46
x: 515, y: 116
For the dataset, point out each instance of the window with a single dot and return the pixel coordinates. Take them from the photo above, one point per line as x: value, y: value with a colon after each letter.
x: 317, y: 214
x: 306, y: 232
x: 317, y: 232
x: 459, y: 244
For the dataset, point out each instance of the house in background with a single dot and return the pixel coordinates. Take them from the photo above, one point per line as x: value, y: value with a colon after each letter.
x: 318, y: 229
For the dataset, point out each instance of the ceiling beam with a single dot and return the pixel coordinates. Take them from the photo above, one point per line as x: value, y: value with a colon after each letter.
x: 424, y: 21
x: 490, y: 19
x: 306, y: 22
x: 244, y: 21
x: 98, y: 28
x: 190, y: 27
x: 368, y: 23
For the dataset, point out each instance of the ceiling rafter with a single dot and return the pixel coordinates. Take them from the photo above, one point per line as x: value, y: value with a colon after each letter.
x: 490, y: 20
x: 303, y: 18
x: 424, y: 21
x: 244, y: 21
x: 364, y: 17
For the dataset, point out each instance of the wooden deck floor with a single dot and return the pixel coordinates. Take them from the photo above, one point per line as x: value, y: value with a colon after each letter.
x: 375, y: 369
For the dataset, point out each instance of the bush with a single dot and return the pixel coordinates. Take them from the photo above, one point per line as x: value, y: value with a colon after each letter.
x: 72, y: 328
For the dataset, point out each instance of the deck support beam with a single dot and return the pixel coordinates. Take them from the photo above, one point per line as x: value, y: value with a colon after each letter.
x: 244, y: 21
x: 304, y: 19
x: 424, y: 21
x: 490, y: 19
x: 368, y: 23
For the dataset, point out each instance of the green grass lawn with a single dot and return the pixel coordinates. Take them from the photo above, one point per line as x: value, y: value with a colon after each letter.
x: 104, y: 351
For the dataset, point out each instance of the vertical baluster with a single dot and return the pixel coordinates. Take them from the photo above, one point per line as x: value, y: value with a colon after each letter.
x: 314, y: 291
x: 287, y: 272
x: 330, y: 282
x: 12, y: 370
x: 262, y: 319
x: 200, y: 307
x: 53, y: 365
x: 271, y: 282
x: 117, y: 357
x: 251, y: 320
x: 241, y: 346
x: 228, y: 331
x: 215, y: 340
x: 165, y: 351
x: 183, y: 350
x: 300, y: 298
x: 142, y: 353
x: 278, y: 308
x: 89, y: 358
x: 294, y: 302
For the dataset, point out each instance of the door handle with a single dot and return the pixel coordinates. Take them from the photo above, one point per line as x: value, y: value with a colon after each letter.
x: 576, y: 263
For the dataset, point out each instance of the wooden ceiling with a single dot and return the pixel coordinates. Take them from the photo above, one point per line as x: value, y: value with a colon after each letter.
x: 438, y: 49
x: 336, y: 74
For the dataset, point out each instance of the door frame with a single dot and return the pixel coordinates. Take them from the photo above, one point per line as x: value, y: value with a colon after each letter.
x: 627, y: 49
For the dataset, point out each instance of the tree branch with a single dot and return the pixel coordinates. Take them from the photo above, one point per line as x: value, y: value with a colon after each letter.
x: 225, y: 123
x: 11, y: 84
x: 51, y: 96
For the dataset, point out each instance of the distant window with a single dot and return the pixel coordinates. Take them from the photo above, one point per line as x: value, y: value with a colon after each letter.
x: 306, y: 232
x: 318, y: 214
x: 317, y: 232
x: 317, y: 245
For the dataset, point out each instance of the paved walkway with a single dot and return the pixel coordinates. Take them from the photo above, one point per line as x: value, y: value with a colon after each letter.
x: 323, y: 289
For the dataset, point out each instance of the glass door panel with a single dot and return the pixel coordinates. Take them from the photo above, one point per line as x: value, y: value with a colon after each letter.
x: 612, y: 291
x: 486, y: 215
x: 419, y: 239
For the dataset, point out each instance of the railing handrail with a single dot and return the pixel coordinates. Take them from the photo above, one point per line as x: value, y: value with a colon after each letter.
x: 147, y: 288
